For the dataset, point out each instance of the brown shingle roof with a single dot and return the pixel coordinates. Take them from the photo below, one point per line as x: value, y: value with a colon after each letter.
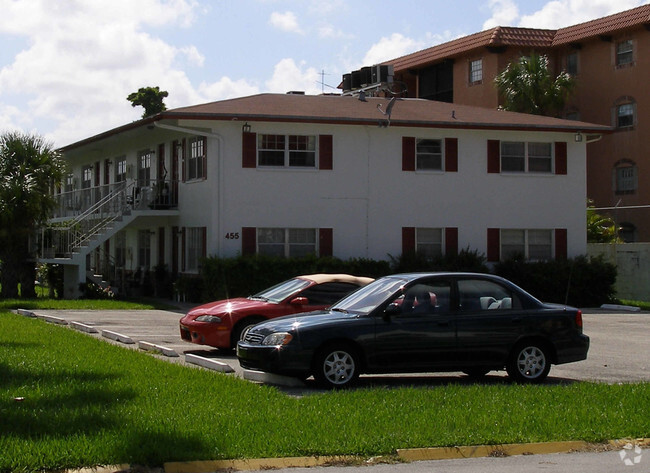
x: 523, y: 37
x: 348, y: 110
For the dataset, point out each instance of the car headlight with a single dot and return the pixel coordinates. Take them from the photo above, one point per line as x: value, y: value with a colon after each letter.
x: 277, y: 339
x: 209, y: 318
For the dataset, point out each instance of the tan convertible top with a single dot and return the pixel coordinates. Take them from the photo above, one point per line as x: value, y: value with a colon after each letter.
x: 322, y: 278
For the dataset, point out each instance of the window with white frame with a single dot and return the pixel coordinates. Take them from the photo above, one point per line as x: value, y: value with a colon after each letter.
x: 194, y: 245
x: 428, y: 155
x: 287, y: 242
x: 120, y: 249
x: 531, y: 244
x: 428, y: 241
x: 624, y: 52
x: 286, y: 151
x: 120, y: 169
x: 625, y: 115
x: 144, y: 167
x: 476, y: 71
x: 87, y: 177
x: 196, y: 158
x: 520, y: 156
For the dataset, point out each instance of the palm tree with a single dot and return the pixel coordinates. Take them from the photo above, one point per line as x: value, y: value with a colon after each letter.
x: 600, y: 229
x: 29, y: 168
x: 528, y: 87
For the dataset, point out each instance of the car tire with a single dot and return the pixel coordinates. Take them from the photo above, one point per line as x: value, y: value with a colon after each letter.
x: 336, y: 366
x: 240, y: 327
x: 529, y: 363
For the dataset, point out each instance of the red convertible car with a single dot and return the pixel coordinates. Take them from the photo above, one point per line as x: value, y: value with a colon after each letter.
x: 220, y: 324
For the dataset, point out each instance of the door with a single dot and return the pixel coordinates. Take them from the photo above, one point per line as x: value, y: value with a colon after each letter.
x: 489, y: 321
x: 419, y: 333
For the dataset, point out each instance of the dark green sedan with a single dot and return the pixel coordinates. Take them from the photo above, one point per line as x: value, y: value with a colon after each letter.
x: 421, y: 322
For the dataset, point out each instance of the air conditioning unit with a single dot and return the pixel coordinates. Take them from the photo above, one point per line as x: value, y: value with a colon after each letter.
x: 382, y: 73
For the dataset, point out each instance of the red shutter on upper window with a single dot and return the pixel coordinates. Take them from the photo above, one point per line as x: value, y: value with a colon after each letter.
x: 451, y: 154
x: 183, y: 143
x: 451, y: 241
x: 494, y: 156
x: 248, y: 240
x: 493, y: 244
x: 205, y: 158
x: 249, y: 150
x: 408, y: 240
x: 326, y: 242
x: 561, y: 243
x: 560, y: 157
x: 408, y: 153
x: 325, y: 159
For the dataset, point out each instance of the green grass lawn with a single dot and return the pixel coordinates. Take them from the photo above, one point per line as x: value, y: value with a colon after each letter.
x: 69, y: 400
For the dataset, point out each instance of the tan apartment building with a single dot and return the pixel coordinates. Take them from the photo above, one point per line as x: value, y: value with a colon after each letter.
x: 610, y: 59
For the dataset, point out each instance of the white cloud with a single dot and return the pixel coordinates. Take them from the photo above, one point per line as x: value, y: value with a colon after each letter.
x: 329, y: 32
x: 287, y: 76
x: 286, y: 21
x: 394, y: 46
x: 561, y: 13
x: 226, y: 88
x: 504, y: 13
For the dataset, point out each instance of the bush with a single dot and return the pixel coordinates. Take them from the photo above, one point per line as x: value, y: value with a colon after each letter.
x: 465, y: 260
x: 581, y: 282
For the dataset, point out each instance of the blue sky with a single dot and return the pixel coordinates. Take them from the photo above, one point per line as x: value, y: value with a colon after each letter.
x: 66, y: 66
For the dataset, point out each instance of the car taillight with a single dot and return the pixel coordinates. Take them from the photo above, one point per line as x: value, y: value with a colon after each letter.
x: 579, y: 319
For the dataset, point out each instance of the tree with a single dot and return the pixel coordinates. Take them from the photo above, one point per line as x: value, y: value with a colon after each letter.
x: 151, y: 98
x: 29, y: 167
x: 600, y: 229
x: 528, y: 87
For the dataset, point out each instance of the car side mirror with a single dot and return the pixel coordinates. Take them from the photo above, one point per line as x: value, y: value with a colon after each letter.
x: 300, y: 301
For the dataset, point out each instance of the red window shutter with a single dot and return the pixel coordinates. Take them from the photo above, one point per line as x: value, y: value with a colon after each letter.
x: 560, y: 157
x: 204, y: 242
x: 451, y: 154
x: 408, y: 153
x: 326, y: 241
x: 204, y: 164
x: 248, y: 240
x: 451, y: 241
x: 107, y: 171
x: 561, y: 243
x: 493, y: 245
x: 183, y: 234
x: 408, y: 240
x: 249, y: 150
x: 183, y: 167
x: 494, y: 156
x: 325, y: 159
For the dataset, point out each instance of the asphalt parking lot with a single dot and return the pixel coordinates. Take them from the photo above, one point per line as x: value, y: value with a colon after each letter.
x: 618, y: 352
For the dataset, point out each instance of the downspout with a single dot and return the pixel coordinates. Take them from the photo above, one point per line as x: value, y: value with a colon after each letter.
x: 219, y: 138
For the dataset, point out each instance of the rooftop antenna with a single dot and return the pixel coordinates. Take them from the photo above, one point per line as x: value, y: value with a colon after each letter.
x: 388, y: 110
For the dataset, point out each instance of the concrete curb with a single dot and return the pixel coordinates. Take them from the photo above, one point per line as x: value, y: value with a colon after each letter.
x: 83, y: 327
x: 147, y: 346
x: 118, y: 337
x: 208, y: 363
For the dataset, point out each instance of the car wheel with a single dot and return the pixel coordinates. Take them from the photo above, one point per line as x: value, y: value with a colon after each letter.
x: 529, y: 363
x: 476, y: 373
x: 336, y: 366
x: 241, y: 327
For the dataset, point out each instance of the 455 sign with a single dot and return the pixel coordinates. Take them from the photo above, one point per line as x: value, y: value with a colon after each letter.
x: 232, y: 236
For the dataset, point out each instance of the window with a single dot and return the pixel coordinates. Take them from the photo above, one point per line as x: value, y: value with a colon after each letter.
x: 428, y: 155
x: 428, y: 241
x: 572, y: 63
x: 120, y: 169
x: 425, y: 298
x: 287, y: 242
x: 624, y: 53
x: 625, y: 177
x: 479, y: 295
x: 526, y: 157
x: 144, y: 249
x: 287, y: 151
x: 144, y: 167
x: 69, y: 183
x: 476, y: 71
x: 195, y: 244
x: 196, y: 160
x: 531, y: 244
x: 86, y: 177
x: 328, y: 293
x: 625, y: 115
x: 120, y: 249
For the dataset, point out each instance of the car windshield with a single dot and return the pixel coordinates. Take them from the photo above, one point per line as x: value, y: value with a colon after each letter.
x: 366, y: 299
x: 281, y: 291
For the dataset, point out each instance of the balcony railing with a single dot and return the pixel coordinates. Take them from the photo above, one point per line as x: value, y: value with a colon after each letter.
x: 150, y: 194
